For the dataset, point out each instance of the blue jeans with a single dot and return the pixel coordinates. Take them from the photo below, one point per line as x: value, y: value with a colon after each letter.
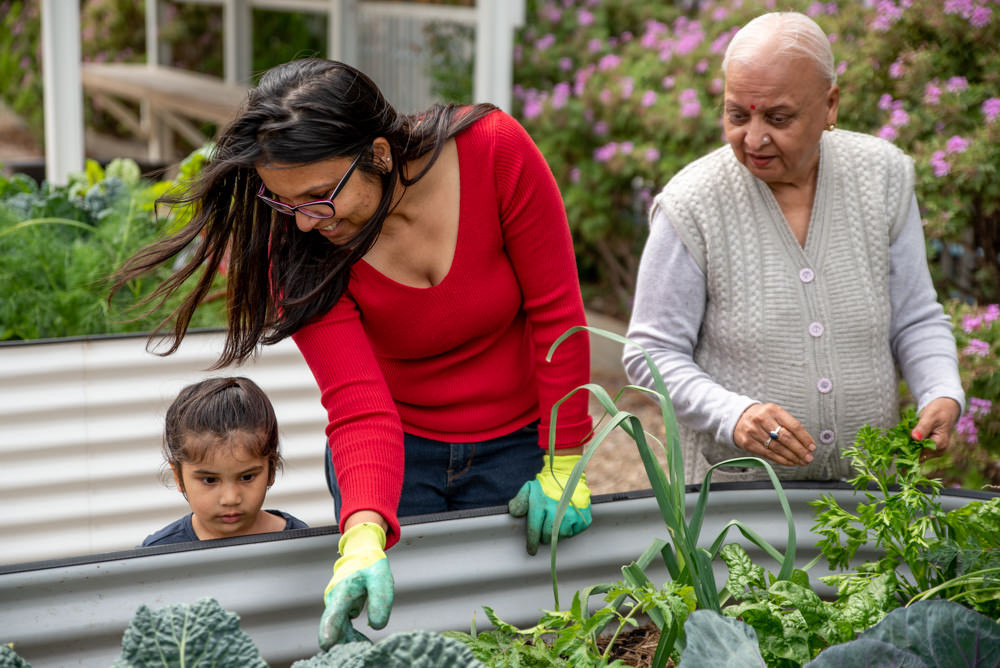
x: 440, y: 476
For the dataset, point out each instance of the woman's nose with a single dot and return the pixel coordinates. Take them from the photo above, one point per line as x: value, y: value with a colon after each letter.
x: 757, y: 137
x: 305, y: 223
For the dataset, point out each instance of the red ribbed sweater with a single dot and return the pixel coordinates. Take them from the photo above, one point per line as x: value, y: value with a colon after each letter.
x: 463, y: 360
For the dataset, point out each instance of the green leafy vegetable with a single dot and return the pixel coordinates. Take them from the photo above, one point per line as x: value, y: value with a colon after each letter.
x: 928, y: 633
x: 185, y: 636
x: 415, y: 649
x: 11, y: 659
x: 714, y: 640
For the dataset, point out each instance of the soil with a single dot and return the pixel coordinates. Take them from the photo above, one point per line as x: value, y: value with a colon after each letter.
x: 636, y: 647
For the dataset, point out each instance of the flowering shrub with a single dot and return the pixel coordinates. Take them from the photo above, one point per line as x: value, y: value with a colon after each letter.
x: 620, y: 95
x: 974, y: 456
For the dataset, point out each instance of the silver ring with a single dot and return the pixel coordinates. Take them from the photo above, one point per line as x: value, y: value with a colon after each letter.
x: 774, y: 434
x: 767, y: 444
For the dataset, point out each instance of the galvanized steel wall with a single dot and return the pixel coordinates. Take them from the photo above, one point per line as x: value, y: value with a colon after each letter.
x: 446, y: 569
x: 81, y: 425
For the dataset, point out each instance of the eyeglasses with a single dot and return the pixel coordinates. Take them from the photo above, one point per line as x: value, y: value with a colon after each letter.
x: 320, y: 208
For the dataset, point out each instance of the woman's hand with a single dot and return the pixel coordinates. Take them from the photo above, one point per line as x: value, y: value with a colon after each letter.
x: 793, y: 447
x: 936, y: 422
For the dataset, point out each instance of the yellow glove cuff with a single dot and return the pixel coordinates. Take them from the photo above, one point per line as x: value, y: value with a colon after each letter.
x: 360, y: 547
x: 554, y: 475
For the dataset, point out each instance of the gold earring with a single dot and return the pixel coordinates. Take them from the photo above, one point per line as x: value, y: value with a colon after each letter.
x: 831, y: 127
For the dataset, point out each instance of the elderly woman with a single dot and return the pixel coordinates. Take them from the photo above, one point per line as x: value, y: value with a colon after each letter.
x: 785, y: 279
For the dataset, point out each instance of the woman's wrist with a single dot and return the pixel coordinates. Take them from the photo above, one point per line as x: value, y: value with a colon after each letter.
x: 362, y: 516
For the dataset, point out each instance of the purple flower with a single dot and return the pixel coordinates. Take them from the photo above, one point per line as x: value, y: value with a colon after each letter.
x: 991, y: 313
x: 574, y: 175
x: 896, y: 70
x: 977, y: 347
x: 626, y: 147
x: 584, y: 17
x: 885, y: 102
x: 595, y: 45
x: 963, y: 7
x: 722, y: 41
x: 888, y: 132
x: 815, y: 9
x: 606, y: 152
x: 980, y: 17
x: 668, y: 82
x: 648, y: 99
x: 652, y: 154
x: 939, y: 164
x: 608, y: 62
x: 991, y: 109
x: 841, y: 67
x: 886, y: 13
x: 532, y: 107
x: 979, y: 406
x: 720, y: 14
x: 956, y: 144
x: 956, y: 84
x: 966, y: 428
x: 601, y: 128
x: 565, y: 64
x: 971, y: 323
x: 715, y: 86
x: 932, y: 92
x: 560, y: 95
x: 604, y: 96
x: 544, y: 42
x: 899, y: 118
x: 701, y: 66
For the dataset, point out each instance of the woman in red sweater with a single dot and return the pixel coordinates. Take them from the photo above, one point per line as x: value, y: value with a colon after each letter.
x: 423, y: 265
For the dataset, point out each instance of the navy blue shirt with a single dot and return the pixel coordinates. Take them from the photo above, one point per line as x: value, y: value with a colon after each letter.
x: 182, y: 530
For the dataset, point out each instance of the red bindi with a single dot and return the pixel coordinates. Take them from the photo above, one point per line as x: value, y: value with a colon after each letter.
x: 752, y: 107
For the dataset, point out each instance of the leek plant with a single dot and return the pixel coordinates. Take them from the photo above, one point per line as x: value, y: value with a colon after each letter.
x: 688, y: 562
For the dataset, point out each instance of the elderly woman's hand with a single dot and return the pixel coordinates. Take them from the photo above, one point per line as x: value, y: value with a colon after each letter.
x: 756, y: 430
x: 936, y: 422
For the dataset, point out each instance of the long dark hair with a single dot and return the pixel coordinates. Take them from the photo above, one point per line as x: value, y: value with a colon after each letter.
x: 302, y: 112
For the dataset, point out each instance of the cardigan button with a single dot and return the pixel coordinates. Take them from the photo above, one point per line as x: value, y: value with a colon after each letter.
x: 806, y: 275
x: 826, y: 437
x: 816, y: 329
x: 824, y: 385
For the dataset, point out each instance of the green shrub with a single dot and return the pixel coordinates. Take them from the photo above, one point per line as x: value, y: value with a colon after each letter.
x: 621, y: 94
x: 59, y: 244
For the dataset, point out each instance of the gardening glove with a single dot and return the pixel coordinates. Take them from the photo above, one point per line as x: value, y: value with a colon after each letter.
x: 361, y: 574
x: 539, y: 498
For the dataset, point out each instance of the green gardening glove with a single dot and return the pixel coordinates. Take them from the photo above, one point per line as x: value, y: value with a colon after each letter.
x: 539, y: 498
x: 361, y: 574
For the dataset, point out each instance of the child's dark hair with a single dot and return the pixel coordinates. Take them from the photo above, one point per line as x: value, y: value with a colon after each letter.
x: 219, y: 407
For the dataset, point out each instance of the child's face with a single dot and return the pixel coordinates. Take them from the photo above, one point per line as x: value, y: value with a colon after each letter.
x: 226, y: 489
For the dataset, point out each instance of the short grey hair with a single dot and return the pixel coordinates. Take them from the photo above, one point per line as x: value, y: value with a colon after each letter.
x: 796, y: 35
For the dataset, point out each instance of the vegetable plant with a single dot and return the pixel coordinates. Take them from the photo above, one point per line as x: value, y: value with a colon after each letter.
x: 928, y: 634
x: 687, y: 563
x: 184, y: 636
x: 59, y: 243
x: 571, y: 637
x: 927, y: 551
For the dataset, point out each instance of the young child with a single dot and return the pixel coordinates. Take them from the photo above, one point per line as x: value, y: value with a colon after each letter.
x: 221, y: 442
